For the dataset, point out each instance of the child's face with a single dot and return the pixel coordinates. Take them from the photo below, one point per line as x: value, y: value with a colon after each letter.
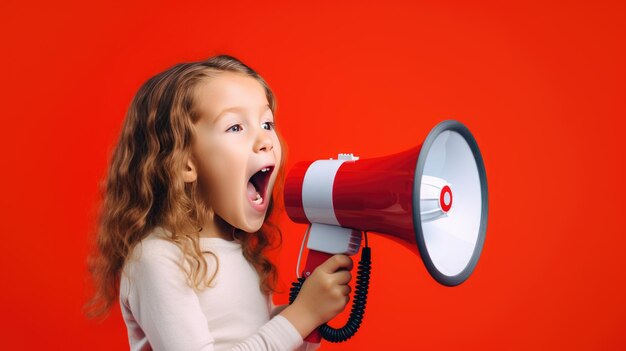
x: 235, y: 140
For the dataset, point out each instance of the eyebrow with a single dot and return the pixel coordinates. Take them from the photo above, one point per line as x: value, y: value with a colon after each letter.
x: 238, y: 109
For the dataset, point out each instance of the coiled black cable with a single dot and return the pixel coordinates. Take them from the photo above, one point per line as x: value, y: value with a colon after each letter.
x: 358, y: 305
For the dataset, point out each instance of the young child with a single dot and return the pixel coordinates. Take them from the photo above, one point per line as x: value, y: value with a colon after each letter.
x: 188, y: 214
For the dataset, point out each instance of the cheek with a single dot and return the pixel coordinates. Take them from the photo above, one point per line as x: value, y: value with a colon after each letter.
x: 222, y: 171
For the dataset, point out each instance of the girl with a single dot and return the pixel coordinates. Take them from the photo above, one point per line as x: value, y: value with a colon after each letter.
x: 188, y: 214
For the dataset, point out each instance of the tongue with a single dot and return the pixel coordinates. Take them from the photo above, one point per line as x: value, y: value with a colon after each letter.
x: 251, y: 191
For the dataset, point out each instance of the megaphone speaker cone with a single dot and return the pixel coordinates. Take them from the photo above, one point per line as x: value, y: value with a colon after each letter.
x: 450, y: 233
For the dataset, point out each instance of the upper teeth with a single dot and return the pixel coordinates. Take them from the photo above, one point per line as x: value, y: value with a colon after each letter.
x: 265, y: 169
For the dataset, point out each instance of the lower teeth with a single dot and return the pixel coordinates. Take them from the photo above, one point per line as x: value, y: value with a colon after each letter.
x: 258, y: 199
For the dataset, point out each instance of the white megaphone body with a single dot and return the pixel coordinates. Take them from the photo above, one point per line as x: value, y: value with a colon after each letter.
x: 432, y: 199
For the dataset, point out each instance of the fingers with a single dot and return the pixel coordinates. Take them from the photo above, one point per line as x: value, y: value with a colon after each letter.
x: 335, y: 262
x: 349, y: 263
x: 342, y: 277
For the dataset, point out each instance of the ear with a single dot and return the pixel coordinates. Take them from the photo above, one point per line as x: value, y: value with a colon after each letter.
x: 189, y: 173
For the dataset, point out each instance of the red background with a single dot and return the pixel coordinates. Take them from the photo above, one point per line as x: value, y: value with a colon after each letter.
x: 540, y: 85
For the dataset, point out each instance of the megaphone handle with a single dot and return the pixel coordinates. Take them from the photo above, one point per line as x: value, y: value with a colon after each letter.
x: 314, y: 259
x: 358, y: 305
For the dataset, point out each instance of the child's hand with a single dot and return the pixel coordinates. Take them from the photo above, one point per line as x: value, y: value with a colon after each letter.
x: 325, y: 293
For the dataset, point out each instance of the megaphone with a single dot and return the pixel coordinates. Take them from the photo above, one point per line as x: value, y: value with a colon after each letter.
x: 432, y: 199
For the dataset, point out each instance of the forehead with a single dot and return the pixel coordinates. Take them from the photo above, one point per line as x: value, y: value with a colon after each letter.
x: 229, y: 90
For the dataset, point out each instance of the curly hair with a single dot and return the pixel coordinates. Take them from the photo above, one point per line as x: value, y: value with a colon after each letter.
x: 144, y: 188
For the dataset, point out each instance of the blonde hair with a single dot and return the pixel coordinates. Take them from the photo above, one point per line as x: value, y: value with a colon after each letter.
x: 144, y: 186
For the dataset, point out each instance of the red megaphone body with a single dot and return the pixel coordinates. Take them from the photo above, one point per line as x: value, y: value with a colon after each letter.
x: 431, y: 199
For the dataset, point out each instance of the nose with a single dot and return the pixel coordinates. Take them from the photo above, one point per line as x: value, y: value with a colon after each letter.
x: 263, y: 141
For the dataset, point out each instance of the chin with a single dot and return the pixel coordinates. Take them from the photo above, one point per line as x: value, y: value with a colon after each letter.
x: 253, y: 226
x: 252, y: 221
x: 251, y: 230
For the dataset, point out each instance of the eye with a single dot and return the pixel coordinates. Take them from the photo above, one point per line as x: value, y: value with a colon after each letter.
x: 271, y: 124
x: 236, y: 125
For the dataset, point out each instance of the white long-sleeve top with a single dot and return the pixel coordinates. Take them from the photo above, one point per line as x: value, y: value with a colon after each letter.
x: 162, y: 312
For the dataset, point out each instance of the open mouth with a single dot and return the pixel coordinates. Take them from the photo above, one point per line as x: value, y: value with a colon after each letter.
x: 257, y: 185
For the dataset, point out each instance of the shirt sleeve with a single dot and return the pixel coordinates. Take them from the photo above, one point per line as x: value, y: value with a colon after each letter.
x: 169, y: 312
x: 275, y: 310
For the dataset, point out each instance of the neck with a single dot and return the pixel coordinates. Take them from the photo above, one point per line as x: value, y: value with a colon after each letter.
x: 216, y: 227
